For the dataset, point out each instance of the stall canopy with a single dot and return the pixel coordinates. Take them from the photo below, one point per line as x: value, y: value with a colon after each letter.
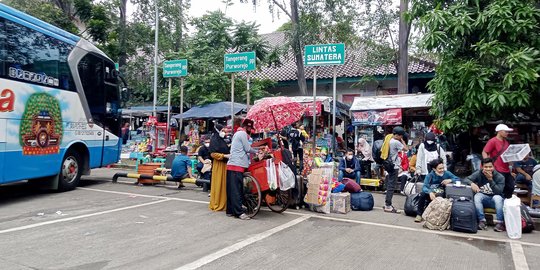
x: 211, y: 111
x: 386, y: 110
x: 322, y: 103
x: 145, y: 110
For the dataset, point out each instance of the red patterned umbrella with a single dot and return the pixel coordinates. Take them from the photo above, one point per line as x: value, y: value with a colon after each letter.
x: 274, y: 113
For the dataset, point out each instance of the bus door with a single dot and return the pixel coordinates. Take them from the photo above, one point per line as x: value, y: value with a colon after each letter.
x: 102, y: 95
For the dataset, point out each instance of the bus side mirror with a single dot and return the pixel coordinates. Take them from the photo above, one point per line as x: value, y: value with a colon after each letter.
x: 125, y: 93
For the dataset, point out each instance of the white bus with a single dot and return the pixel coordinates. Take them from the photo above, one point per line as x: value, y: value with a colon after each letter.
x: 59, y: 104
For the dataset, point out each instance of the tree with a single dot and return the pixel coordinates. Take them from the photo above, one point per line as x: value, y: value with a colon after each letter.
x: 489, y: 58
x: 312, y: 22
x: 215, y: 35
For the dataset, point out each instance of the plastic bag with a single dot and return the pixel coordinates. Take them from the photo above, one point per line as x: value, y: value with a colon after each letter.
x: 410, y: 186
x: 271, y: 174
x: 512, y: 217
x: 286, y: 177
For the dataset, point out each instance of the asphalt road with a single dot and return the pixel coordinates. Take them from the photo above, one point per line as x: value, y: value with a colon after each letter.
x: 123, y: 226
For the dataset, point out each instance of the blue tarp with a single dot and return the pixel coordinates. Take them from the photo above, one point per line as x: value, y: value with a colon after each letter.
x: 215, y: 110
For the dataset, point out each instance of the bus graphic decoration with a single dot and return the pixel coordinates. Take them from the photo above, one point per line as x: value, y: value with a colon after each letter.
x: 41, y: 125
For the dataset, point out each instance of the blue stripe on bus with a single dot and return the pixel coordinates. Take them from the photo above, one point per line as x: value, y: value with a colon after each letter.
x: 38, y: 25
x: 42, y: 165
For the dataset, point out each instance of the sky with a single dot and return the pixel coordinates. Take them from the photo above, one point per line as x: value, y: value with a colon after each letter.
x: 238, y: 12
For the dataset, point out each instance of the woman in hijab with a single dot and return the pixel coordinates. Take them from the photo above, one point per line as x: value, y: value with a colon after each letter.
x: 427, y: 151
x: 366, y: 156
x: 220, y: 153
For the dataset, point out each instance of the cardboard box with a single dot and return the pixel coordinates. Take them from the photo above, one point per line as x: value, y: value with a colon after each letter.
x: 340, y: 203
x: 312, y: 198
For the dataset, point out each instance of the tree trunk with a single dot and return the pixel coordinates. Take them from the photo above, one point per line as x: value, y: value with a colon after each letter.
x: 123, y: 17
x: 403, y: 65
x: 297, y: 48
x: 179, y: 23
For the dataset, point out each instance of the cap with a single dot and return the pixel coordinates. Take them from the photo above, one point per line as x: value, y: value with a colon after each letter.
x: 503, y: 127
x: 430, y: 136
x: 398, y: 130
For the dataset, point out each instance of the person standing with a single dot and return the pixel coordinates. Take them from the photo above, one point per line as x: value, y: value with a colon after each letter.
x: 297, y: 140
x: 236, y: 166
x: 125, y: 133
x: 494, y: 149
x: 427, y: 151
x: 397, y: 144
x: 220, y: 153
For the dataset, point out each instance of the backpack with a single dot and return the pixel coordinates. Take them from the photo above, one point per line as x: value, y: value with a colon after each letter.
x: 376, y: 150
x: 527, y: 223
x: 437, y: 214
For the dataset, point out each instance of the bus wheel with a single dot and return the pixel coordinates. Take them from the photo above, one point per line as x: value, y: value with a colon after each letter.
x: 70, y: 171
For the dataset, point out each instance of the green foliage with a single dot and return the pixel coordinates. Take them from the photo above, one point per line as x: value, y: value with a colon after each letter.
x: 216, y: 35
x: 45, y: 11
x: 489, y: 58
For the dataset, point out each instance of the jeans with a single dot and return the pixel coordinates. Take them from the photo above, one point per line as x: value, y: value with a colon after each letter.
x: 354, y: 175
x: 520, y: 179
x: 475, y: 162
x: 482, y: 200
x: 422, y: 203
x: 391, y: 180
x: 509, y: 184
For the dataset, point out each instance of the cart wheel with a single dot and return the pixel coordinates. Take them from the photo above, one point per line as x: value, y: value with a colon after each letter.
x: 282, y: 200
x: 252, y: 199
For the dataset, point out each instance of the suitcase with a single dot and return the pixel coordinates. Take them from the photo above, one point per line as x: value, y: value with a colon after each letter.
x: 527, y: 223
x: 362, y: 201
x: 463, y: 217
x: 455, y: 192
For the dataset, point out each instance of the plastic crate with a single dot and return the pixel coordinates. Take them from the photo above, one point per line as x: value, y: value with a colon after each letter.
x: 516, y: 152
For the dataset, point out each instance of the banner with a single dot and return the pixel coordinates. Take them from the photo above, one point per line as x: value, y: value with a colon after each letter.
x: 309, y: 108
x: 377, y: 118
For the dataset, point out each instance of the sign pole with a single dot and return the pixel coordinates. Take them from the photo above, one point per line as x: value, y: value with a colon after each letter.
x: 314, y: 109
x: 232, y: 102
x: 181, y: 107
x: 334, y: 110
x: 167, y: 133
x: 247, y: 94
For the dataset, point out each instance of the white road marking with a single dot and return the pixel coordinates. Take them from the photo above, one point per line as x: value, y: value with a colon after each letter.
x: 242, y: 244
x: 79, y: 217
x: 322, y: 216
x: 143, y: 195
x: 520, y: 261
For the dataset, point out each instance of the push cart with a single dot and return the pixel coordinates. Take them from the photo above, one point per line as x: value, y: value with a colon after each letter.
x: 257, y: 189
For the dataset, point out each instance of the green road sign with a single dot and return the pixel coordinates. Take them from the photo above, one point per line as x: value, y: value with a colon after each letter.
x: 175, y: 68
x: 237, y: 62
x: 324, y: 54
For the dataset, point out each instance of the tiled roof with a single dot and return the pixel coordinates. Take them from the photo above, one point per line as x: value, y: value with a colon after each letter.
x: 354, y: 64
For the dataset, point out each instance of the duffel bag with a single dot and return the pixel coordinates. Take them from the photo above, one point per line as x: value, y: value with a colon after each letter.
x: 411, y: 204
x: 362, y: 201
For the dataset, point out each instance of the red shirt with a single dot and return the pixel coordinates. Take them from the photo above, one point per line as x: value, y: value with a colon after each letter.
x: 495, y: 148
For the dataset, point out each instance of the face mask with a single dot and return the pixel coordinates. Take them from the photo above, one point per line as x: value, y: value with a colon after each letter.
x: 429, y: 142
x: 222, y: 134
x: 349, y: 157
x: 439, y: 174
x: 207, y: 144
x: 323, y: 157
